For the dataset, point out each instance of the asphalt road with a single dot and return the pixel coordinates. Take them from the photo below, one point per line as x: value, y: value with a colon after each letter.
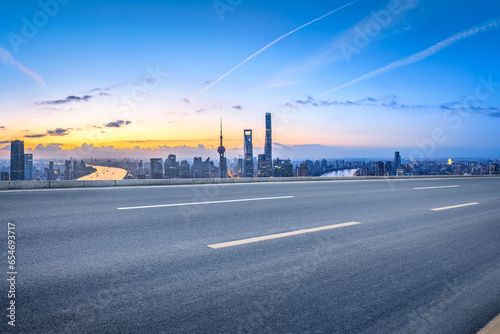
x: 89, y: 263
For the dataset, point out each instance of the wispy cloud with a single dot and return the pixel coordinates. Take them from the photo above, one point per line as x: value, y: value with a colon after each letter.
x: 267, y: 47
x: 490, y: 25
x: 237, y: 107
x: 117, y: 124
x: 7, y: 58
x: 58, y: 132
x: 71, y: 98
x: 3, y: 127
x: 53, y: 147
x: 36, y: 136
x: 55, y: 132
x: 392, y: 102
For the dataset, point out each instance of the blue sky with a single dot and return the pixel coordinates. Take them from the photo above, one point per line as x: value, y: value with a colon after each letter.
x: 65, y: 83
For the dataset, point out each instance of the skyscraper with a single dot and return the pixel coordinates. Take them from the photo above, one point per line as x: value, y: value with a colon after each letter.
x: 262, y: 165
x: 397, y: 162
x: 68, y: 170
x: 268, y: 147
x: 156, y: 168
x: 51, y: 175
x: 222, y: 160
x: 16, y: 160
x: 388, y: 168
x: 28, y: 166
x: 198, y: 169
x: 184, y: 169
x: 248, y: 154
x: 140, y: 171
x: 171, y: 167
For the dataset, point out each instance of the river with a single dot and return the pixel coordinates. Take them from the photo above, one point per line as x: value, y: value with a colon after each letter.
x: 105, y: 173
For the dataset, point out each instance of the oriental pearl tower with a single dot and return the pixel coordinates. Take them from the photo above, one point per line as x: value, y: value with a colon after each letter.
x: 222, y: 160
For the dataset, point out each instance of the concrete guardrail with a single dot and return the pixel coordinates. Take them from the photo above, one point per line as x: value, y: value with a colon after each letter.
x: 8, y: 185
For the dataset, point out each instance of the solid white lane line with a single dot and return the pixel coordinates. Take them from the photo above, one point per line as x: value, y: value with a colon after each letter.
x: 200, y: 203
x: 454, y: 206
x: 436, y: 187
x: 279, y: 235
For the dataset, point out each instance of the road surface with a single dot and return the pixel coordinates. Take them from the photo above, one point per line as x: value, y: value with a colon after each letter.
x: 376, y: 256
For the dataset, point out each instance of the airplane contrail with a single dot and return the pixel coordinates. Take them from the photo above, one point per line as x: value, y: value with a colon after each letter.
x: 267, y: 47
x: 486, y: 26
x: 7, y: 58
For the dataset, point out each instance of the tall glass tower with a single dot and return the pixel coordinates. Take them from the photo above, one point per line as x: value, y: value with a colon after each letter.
x: 28, y: 166
x: 248, y: 158
x: 16, y: 160
x: 269, y: 146
x: 397, y: 163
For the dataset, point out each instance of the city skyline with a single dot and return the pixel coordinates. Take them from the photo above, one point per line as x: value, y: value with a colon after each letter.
x: 152, y: 80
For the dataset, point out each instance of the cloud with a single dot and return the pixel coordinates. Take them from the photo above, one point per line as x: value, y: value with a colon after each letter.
x: 7, y: 58
x: 5, y: 142
x: 282, y: 146
x: 58, y: 132
x: 237, y: 107
x: 486, y: 26
x: 117, y: 124
x: 392, y: 102
x: 5, y: 148
x: 200, y: 110
x: 55, y: 132
x: 105, y: 89
x: 2, y: 128
x: 53, y: 147
x: 267, y: 47
x: 71, y: 98
x: 36, y: 136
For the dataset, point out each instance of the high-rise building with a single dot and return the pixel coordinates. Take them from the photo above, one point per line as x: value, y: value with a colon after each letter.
x: 16, y: 160
x: 239, y: 167
x: 494, y: 168
x: 388, y: 168
x: 184, y: 169
x: 51, y: 176
x: 28, y: 166
x: 4, y: 176
x: 222, y: 159
x: 156, y: 168
x: 263, y: 166
x: 198, y: 168
x: 282, y: 168
x: 140, y: 170
x: 380, y: 168
x: 75, y: 170
x: 302, y: 170
x: 68, y: 170
x: 248, y: 154
x: 397, y: 162
x: 268, y: 148
x: 209, y: 169
x: 171, y: 167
